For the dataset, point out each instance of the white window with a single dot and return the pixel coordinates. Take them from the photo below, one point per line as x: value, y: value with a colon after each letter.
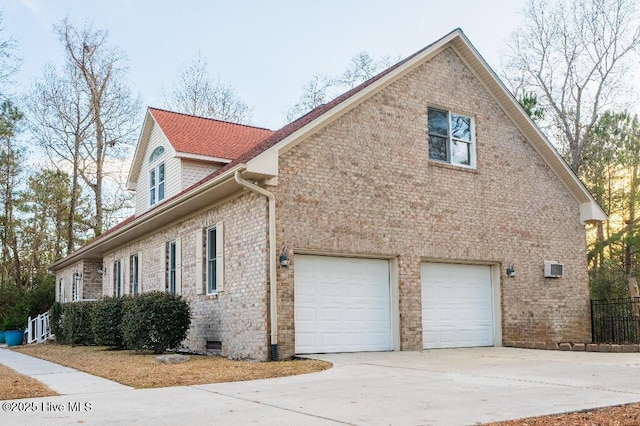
x: 451, y: 138
x: 171, y: 267
x: 134, y: 267
x: 117, y: 278
x: 156, y: 154
x: 75, y: 288
x: 156, y: 184
x: 211, y: 260
x: 214, y: 258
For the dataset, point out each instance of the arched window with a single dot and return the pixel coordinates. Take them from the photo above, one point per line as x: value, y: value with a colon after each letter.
x: 156, y: 154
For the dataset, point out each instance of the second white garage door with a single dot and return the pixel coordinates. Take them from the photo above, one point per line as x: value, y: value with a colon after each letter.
x: 341, y: 304
x: 457, y: 306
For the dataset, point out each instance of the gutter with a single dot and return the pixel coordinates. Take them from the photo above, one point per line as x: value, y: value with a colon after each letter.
x: 273, y: 308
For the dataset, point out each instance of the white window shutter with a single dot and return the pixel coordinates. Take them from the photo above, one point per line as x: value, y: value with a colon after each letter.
x: 178, y: 267
x: 220, y: 256
x: 113, y: 271
x: 126, y: 280
x: 163, y: 266
x: 199, y: 270
x: 139, y: 272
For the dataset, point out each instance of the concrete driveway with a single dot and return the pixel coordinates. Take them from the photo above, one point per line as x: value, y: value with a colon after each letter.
x: 437, y: 387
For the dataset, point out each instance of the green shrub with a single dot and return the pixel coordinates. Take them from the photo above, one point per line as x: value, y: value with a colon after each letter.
x: 55, y: 321
x: 16, y: 304
x: 10, y: 296
x: 608, y: 282
x: 42, y: 295
x: 16, y: 317
x: 106, y: 322
x: 155, y: 321
x: 75, y: 324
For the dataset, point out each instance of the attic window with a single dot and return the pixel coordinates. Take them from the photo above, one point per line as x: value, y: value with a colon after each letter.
x: 156, y: 154
x: 451, y: 138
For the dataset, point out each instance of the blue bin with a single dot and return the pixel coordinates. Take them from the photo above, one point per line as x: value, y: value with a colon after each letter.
x: 14, y: 337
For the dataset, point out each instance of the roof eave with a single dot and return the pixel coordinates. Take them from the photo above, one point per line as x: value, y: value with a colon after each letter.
x: 529, y: 129
x: 200, y: 197
x: 200, y: 157
x: 137, y: 160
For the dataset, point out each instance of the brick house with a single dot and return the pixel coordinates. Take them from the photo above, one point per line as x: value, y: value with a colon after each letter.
x: 421, y: 209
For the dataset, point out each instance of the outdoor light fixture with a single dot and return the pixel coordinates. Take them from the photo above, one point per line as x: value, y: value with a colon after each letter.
x: 511, y: 271
x: 284, y: 259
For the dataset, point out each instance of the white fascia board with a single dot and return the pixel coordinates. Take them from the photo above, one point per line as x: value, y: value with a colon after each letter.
x: 591, y: 211
x: 162, y: 209
x: 296, y: 137
x: 137, y: 160
x: 199, y: 157
x: 266, y: 163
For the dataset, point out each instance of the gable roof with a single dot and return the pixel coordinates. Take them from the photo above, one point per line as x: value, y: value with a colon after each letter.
x: 292, y: 134
x: 266, y: 151
x: 205, y: 136
x: 197, y: 138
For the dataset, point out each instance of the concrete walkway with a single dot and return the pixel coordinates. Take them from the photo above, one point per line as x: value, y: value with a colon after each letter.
x: 435, y: 387
x: 63, y: 380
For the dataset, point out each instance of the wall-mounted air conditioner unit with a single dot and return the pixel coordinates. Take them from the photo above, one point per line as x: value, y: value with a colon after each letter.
x: 553, y: 269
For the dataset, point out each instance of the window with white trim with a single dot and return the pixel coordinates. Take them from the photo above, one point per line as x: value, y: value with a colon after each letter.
x: 451, y: 138
x: 214, y: 258
x: 117, y: 278
x: 75, y: 289
x: 211, y: 260
x: 156, y: 184
x: 171, y: 267
x: 134, y: 268
x: 156, y: 154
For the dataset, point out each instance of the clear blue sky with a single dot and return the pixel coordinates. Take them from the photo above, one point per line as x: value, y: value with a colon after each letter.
x: 266, y: 49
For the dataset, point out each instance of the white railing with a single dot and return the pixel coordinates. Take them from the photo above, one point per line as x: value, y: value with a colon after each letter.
x: 39, y: 329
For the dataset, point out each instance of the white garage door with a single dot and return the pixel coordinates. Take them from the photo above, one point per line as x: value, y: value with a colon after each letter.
x: 457, y: 306
x: 341, y: 304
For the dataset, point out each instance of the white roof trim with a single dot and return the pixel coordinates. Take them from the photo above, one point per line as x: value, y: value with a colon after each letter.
x: 459, y: 42
x: 200, y: 157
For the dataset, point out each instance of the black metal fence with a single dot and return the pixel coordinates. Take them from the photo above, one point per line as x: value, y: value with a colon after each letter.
x: 616, y: 320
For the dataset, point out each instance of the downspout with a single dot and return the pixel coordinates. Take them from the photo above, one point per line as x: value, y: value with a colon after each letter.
x: 273, y: 312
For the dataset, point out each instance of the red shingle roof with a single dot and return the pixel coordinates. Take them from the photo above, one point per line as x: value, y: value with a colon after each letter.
x: 204, y: 136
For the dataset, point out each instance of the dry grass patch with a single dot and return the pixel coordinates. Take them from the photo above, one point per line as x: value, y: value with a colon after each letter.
x: 143, y: 371
x: 14, y: 385
x: 619, y: 415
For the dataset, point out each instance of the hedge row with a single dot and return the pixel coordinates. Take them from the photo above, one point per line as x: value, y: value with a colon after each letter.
x: 154, y: 321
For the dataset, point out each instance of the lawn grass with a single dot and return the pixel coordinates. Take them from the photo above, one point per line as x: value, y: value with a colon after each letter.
x: 14, y: 385
x: 144, y: 371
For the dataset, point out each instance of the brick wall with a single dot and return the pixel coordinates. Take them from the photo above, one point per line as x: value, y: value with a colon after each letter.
x: 92, y: 279
x: 236, y: 316
x: 364, y: 185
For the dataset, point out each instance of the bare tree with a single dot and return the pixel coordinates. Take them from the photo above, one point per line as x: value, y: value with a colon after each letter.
x: 321, y: 88
x: 197, y: 93
x: 9, y: 61
x: 61, y: 123
x: 573, y: 56
x: 362, y: 67
x: 11, y: 157
x: 315, y: 92
x: 108, y: 98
